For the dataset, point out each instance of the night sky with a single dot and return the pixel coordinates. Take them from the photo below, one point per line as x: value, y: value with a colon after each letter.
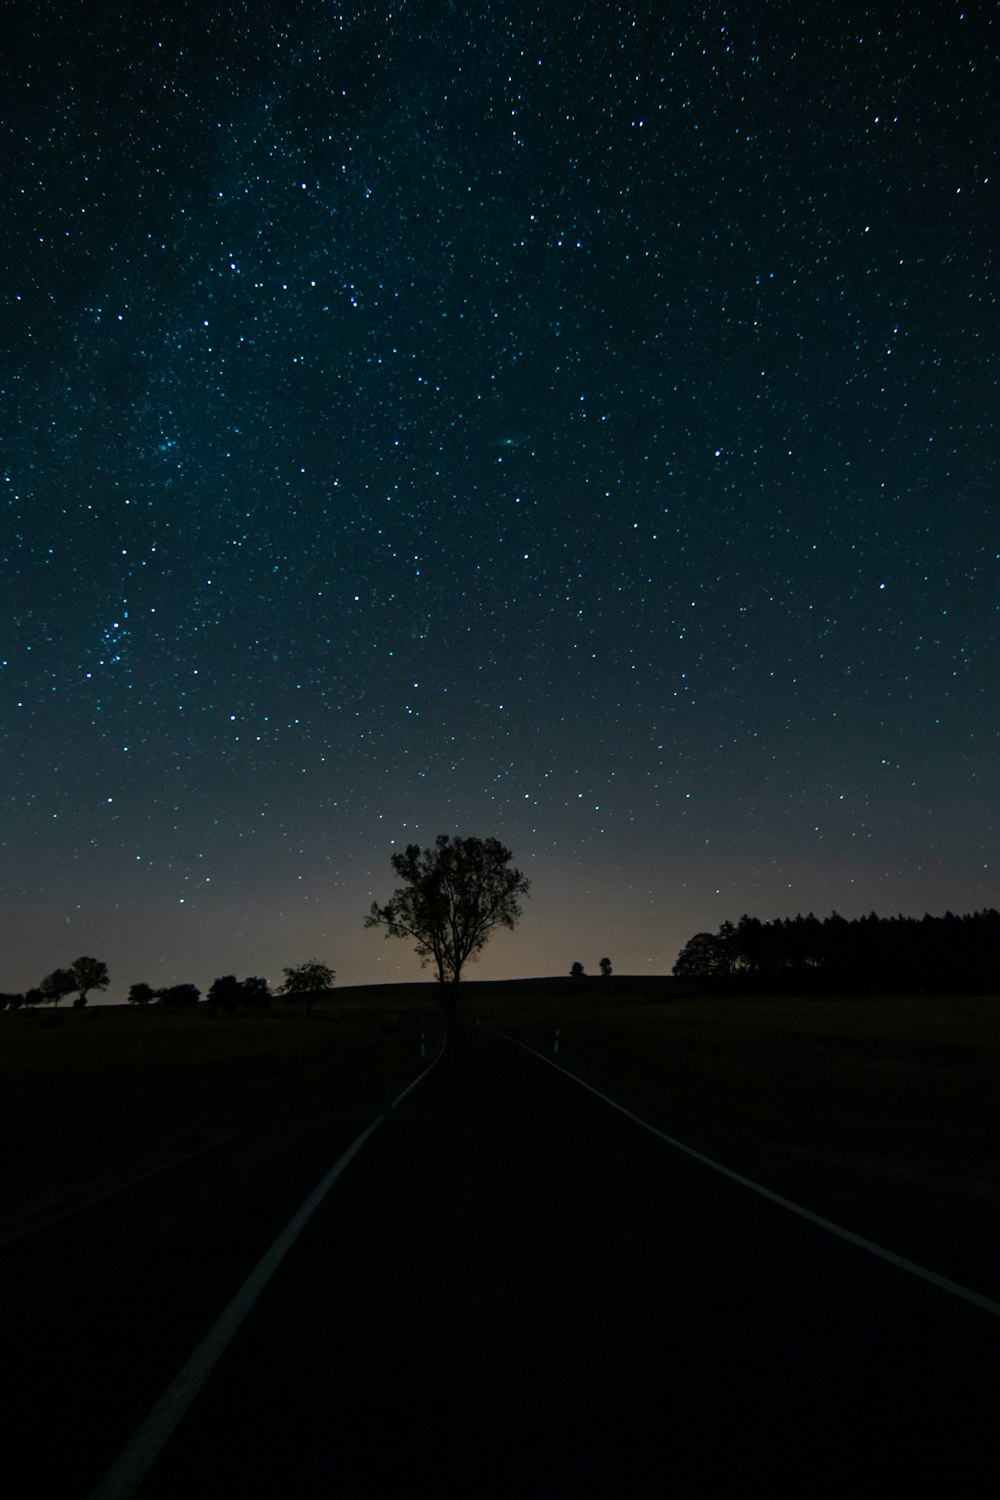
x: 570, y: 423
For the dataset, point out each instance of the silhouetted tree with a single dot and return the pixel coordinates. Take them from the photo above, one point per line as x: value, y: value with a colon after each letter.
x: 452, y: 897
x: 178, y: 996
x: 33, y: 996
x: 228, y: 993
x: 729, y: 936
x: 141, y: 994
x: 577, y: 971
x: 88, y: 974
x: 257, y: 992
x: 705, y: 953
x: 748, y: 944
x: 57, y: 985
x: 225, y: 993
x: 605, y: 968
x: 308, y: 980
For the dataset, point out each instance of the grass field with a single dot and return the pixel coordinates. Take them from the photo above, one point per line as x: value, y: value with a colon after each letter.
x: 109, y: 1093
x: 905, y: 1088
x: 902, y: 1088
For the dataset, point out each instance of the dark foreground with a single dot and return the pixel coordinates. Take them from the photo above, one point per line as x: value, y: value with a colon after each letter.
x: 511, y: 1290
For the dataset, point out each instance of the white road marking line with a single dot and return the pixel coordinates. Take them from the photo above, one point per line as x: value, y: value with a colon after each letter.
x: 412, y: 1085
x: 134, y: 1462
x: 111, y: 1192
x: 985, y: 1304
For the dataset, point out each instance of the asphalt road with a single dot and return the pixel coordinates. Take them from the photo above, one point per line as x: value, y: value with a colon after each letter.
x: 512, y: 1289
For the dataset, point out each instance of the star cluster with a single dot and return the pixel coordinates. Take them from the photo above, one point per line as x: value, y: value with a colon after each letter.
x: 571, y: 423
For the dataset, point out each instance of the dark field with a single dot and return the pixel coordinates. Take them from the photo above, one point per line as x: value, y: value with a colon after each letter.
x: 111, y: 1092
x: 899, y: 1088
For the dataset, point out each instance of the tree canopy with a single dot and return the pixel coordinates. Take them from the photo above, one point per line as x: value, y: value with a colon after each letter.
x: 452, y: 897
x: 178, y: 996
x: 705, y: 953
x: 88, y: 974
x: 83, y: 974
x: 228, y: 994
x: 308, y: 980
x: 57, y: 985
x: 225, y: 993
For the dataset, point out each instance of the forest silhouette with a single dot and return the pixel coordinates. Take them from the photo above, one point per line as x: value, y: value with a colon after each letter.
x: 869, y: 954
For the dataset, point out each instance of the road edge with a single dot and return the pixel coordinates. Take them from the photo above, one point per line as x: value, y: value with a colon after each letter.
x: 138, y: 1456
x: 943, y: 1283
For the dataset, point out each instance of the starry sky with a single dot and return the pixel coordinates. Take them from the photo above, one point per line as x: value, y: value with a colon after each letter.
x: 574, y: 423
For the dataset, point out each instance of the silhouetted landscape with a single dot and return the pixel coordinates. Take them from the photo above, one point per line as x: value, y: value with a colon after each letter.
x: 844, y: 1071
x: 892, y: 1082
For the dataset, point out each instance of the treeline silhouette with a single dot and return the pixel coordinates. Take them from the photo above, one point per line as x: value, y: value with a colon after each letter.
x: 82, y: 976
x: 863, y: 955
x: 303, y: 983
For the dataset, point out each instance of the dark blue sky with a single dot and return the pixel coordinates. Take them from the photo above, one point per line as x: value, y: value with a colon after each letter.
x: 575, y: 424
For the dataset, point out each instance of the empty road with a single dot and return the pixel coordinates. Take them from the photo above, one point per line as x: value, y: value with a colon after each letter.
x: 511, y: 1289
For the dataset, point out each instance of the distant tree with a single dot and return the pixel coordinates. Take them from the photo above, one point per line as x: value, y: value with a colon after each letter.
x: 57, y: 985
x: 605, y: 968
x: 228, y: 993
x: 577, y: 971
x: 33, y: 996
x: 731, y: 937
x: 178, y: 996
x: 225, y: 993
x: 705, y: 953
x: 141, y: 994
x: 451, y: 899
x: 88, y: 974
x: 308, y: 980
x: 257, y: 992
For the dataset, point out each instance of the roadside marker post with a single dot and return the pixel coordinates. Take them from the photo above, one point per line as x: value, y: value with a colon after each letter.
x: 423, y: 1043
x: 555, y: 1044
